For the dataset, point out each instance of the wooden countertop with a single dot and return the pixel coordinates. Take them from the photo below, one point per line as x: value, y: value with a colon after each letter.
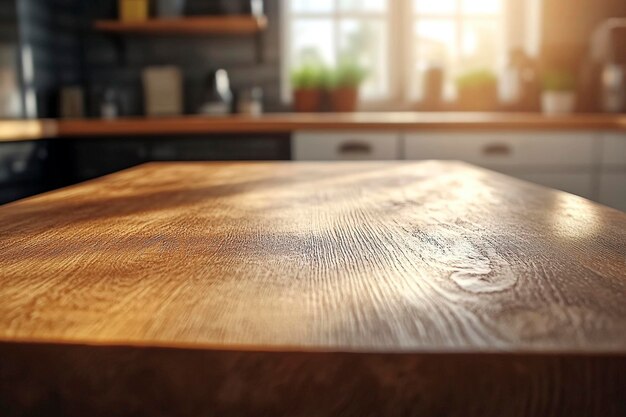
x: 434, y: 276
x: 286, y: 123
x: 22, y: 130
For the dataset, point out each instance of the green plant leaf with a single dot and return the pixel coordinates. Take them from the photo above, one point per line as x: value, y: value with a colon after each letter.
x: 348, y: 75
x: 558, y: 80
x: 309, y: 77
x: 476, y: 78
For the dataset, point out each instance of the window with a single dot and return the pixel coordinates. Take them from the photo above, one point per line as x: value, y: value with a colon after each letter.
x: 459, y: 35
x: 326, y: 31
x: 396, y: 40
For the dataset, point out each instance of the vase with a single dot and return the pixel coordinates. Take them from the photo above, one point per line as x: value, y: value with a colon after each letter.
x: 558, y: 102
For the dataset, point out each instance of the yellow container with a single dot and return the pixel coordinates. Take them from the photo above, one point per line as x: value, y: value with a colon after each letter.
x: 133, y: 10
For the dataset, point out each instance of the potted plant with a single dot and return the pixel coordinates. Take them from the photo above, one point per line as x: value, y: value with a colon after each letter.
x: 308, y: 84
x: 477, y: 90
x: 344, y: 87
x: 558, y: 96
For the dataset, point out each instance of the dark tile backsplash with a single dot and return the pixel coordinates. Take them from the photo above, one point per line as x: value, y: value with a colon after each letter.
x: 67, y: 51
x: 51, y: 29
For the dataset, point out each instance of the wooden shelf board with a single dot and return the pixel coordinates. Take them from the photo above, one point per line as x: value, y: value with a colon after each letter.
x: 231, y: 25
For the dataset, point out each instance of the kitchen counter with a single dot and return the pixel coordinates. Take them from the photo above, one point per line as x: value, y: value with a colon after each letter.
x: 287, y: 123
x: 23, y: 130
x: 354, y: 289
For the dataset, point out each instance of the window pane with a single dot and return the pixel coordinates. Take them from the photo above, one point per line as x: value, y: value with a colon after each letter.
x: 435, y: 6
x: 363, y: 5
x: 480, y: 44
x: 312, y: 6
x: 312, y: 42
x: 364, y: 41
x: 481, y: 6
x: 435, y: 40
x: 435, y: 45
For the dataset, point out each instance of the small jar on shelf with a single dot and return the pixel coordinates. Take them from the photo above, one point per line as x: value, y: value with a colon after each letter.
x: 133, y: 10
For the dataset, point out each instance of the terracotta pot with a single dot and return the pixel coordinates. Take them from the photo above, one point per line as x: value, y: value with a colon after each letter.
x: 344, y: 100
x: 307, y: 100
x: 478, y: 98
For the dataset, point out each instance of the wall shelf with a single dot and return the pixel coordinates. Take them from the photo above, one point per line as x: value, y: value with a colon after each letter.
x: 205, y: 25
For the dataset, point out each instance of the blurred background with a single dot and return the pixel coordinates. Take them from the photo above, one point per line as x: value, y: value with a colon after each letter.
x: 405, y: 54
x: 93, y: 60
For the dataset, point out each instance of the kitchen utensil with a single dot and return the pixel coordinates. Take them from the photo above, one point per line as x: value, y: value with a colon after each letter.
x: 218, y: 96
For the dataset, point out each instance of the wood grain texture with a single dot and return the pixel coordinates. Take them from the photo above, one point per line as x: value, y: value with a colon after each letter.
x: 384, y: 257
x: 78, y: 381
x: 286, y: 123
x: 312, y: 289
x: 222, y: 25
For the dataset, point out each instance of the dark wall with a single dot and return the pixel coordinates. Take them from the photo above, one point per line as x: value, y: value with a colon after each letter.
x: 10, y: 61
x: 8, y: 21
x: 50, y: 28
x: 66, y: 51
x: 117, y: 61
x: 21, y: 163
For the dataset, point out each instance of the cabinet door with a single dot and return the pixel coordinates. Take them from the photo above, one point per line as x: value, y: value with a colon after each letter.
x: 97, y: 157
x: 613, y: 190
x: 505, y: 149
x: 22, y: 169
x: 22, y: 161
x: 614, y: 150
x: 345, y: 146
x: 220, y: 148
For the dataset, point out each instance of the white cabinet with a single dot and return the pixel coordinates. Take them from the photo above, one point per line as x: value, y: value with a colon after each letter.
x: 589, y: 164
x: 613, y: 171
x: 613, y: 190
x: 345, y: 146
x: 560, y: 160
x: 614, y: 150
x: 505, y: 149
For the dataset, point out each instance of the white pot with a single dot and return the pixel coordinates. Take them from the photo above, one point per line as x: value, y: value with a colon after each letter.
x: 558, y: 102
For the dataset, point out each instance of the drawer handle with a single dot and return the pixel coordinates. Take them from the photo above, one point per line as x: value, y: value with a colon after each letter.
x: 497, y: 149
x: 355, y: 148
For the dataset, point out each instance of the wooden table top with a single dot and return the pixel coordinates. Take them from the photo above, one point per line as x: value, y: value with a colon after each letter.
x: 315, y: 257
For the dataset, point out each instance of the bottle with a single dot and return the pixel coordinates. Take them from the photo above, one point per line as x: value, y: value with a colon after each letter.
x: 109, y: 107
x: 219, y: 97
x: 520, y: 89
x: 251, y: 102
x: 433, y: 87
